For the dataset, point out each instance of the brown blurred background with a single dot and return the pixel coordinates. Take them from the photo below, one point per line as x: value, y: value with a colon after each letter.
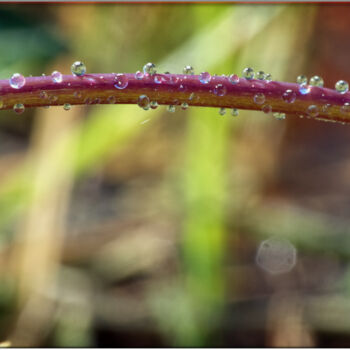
x: 121, y: 227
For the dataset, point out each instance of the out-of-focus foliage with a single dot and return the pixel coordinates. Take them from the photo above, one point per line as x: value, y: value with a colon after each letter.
x: 123, y: 227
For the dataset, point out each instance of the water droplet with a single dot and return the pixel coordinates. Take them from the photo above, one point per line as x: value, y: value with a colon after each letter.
x: 316, y: 81
x: 53, y: 98
x: 19, y: 108
x: 259, y: 98
x: 66, y: 106
x: 233, y: 79
x: 191, y: 96
x: 279, y: 116
x: 149, y: 68
x: 78, y: 68
x: 121, y: 81
x: 220, y: 90
x: 188, y: 70
x: 77, y: 94
x: 302, y: 79
x: 43, y: 94
x: 260, y: 75
x: 171, y: 108
x: 342, y: 86
x: 111, y: 99
x: 174, y: 79
x: 312, y: 111
x: 345, y: 108
x: 204, y: 77
x: 143, y: 101
x: 222, y: 111
x: 248, y: 73
x: 276, y: 255
x: 325, y: 108
x: 56, y: 77
x: 268, y: 77
x: 266, y: 109
x: 184, y: 105
x: 153, y: 104
x: 289, y: 96
x: 159, y: 79
x: 139, y: 75
x: 304, y: 89
x: 234, y: 112
x: 17, y: 81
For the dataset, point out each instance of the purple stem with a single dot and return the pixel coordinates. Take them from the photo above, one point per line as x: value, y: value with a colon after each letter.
x: 175, y: 89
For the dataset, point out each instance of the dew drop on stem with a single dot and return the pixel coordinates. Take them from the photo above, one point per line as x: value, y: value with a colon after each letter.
x: 56, y: 76
x: 19, y: 108
x: 248, y: 73
x: 17, y: 81
x: 342, y: 86
x: 78, y: 68
x: 204, y: 77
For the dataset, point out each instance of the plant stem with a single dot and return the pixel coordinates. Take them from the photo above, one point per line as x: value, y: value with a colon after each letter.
x: 175, y: 89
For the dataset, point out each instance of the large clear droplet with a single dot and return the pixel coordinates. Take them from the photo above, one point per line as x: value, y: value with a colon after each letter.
x: 56, y: 77
x: 17, y: 81
x: 204, y: 77
x: 342, y: 86
x: 78, y: 68
x: 149, y: 68
x: 67, y: 106
x: 248, y: 73
x: 316, y: 81
x: 121, y: 81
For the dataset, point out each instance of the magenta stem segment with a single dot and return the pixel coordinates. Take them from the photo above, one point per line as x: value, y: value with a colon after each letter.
x: 175, y: 89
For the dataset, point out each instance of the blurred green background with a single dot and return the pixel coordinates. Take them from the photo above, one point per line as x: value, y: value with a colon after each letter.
x: 121, y: 227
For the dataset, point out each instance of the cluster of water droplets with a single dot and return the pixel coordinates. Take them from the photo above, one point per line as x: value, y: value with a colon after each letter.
x: 219, y: 86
